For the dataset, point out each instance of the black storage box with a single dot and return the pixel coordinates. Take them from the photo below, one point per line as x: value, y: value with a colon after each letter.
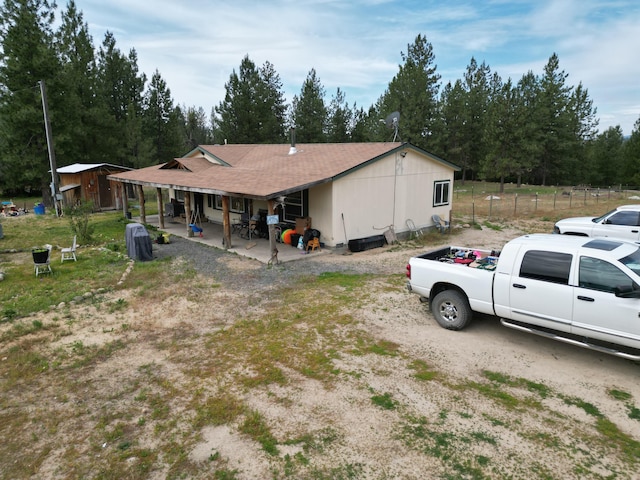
x: 360, y: 244
x: 295, y: 237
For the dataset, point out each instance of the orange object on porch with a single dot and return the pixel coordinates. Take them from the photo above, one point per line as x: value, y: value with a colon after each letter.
x: 313, y: 244
x: 286, y: 236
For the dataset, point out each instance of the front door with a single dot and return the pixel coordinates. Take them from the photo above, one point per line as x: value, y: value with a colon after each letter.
x: 104, y: 189
x: 198, y: 207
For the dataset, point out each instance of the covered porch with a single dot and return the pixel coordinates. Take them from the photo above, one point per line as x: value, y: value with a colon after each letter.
x: 213, y: 234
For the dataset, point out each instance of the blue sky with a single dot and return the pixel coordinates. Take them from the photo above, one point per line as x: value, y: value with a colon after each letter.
x: 356, y: 44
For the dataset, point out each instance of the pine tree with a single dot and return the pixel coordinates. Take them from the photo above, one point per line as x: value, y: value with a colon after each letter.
x: 253, y: 109
x: 556, y: 133
x: 160, y: 123
x: 196, y: 129
x: 27, y: 57
x: 631, y: 156
x: 606, y: 159
x: 122, y: 87
x: 80, y: 116
x: 502, y: 133
x: 477, y: 89
x: 413, y: 93
x: 273, y: 110
x: 340, y: 117
x: 308, y: 111
x: 449, y: 132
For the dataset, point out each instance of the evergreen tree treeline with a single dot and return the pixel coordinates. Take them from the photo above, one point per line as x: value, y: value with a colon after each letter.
x: 538, y: 129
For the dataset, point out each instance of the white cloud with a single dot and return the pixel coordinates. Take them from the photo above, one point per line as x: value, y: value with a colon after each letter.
x: 356, y: 45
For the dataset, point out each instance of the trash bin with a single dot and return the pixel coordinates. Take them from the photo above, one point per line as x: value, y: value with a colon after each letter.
x: 294, y: 239
x: 39, y: 209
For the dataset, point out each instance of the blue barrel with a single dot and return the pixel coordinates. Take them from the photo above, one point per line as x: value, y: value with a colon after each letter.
x: 39, y: 209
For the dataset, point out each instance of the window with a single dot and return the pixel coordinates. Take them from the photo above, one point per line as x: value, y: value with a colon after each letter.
x: 441, y: 192
x: 600, y: 275
x: 551, y: 267
x: 295, y: 205
x: 623, y: 218
x: 236, y: 204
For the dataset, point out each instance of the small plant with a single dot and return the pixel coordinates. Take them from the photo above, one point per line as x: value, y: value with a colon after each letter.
x: 384, y: 401
x: 8, y: 314
x: 79, y: 216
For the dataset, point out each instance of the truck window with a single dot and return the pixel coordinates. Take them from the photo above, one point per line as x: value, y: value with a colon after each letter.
x: 628, y: 218
x: 601, y: 275
x: 632, y: 261
x: 551, y: 267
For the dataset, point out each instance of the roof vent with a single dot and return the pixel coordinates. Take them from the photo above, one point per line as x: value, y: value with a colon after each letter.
x: 293, y: 150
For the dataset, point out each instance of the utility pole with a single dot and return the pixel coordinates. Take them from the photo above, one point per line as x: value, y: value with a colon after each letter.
x: 52, y: 156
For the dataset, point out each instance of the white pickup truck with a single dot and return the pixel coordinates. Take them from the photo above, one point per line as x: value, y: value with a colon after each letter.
x: 583, y: 291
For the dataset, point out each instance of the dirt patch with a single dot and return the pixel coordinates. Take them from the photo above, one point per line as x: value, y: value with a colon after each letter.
x: 403, y: 398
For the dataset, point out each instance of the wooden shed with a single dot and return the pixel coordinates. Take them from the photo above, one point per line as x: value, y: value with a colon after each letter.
x: 89, y: 182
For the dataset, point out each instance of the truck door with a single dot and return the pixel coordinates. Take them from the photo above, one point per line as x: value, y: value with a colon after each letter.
x: 539, y: 294
x: 622, y: 224
x: 597, y: 312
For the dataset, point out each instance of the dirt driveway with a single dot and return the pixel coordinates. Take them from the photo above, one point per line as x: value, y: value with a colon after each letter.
x: 191, y: 382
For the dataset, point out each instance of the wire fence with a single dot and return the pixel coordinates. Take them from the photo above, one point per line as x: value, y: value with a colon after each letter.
x: 493, y: 206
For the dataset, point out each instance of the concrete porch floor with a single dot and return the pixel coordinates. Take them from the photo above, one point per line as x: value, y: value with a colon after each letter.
x: 256, y: 248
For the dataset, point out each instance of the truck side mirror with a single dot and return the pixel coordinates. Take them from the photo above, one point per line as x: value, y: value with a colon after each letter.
x: 626, y: 291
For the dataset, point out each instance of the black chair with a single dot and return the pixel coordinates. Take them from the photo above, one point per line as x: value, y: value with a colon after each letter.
x: 241, y: 225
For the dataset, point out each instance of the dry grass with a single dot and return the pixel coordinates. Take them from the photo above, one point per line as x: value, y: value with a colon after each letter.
x: 484, y: 201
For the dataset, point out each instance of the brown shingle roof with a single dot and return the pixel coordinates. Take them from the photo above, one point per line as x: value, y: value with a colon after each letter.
x: 260, y: 170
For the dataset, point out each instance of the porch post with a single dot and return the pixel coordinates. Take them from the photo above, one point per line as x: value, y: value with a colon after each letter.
x: 160, y: 208
x: 226, y: 224
x: 187, y: 212
x: 125, y: 203
x: 272, y: 228
x: 143, y: 212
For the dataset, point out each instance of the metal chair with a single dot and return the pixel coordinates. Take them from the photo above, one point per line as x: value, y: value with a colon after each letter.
x: 242, y: 225
x: 414, y: 231
x: 440, y: 224
x: 69, y: 253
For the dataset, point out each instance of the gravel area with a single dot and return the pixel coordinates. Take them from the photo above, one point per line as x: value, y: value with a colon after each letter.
x: 237, y: 270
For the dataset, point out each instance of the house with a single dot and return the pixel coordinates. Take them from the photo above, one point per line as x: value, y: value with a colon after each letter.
x: 346, y: 191
x: 88, y: 182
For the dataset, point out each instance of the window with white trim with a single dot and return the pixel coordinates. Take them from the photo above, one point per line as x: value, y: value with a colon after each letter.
x: 441, y: 192
x: 236, y: 204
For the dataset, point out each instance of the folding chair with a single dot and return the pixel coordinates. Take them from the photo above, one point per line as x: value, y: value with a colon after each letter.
x: 69, y: 253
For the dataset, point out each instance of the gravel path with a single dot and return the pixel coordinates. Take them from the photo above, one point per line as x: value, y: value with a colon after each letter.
x: 238, y: 272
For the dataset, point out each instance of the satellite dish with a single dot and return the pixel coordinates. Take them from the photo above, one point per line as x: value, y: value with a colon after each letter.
x: 392, y: 122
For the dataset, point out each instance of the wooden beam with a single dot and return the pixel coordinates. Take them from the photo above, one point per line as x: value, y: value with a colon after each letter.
x: 187, y: 212
x: 272, y: 231
x: 143, y: 211
x: 226, y: 224
x: 125, y: 202
x: 160, y: 208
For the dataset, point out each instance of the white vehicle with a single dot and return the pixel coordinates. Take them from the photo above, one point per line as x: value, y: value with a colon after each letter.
x: 579, y: 290
x: 623, y: 222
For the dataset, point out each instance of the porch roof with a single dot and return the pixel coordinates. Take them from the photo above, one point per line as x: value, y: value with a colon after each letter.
x: 259, y: 171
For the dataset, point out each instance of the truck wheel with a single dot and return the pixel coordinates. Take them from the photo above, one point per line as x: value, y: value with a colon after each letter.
x: 451, y: 310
